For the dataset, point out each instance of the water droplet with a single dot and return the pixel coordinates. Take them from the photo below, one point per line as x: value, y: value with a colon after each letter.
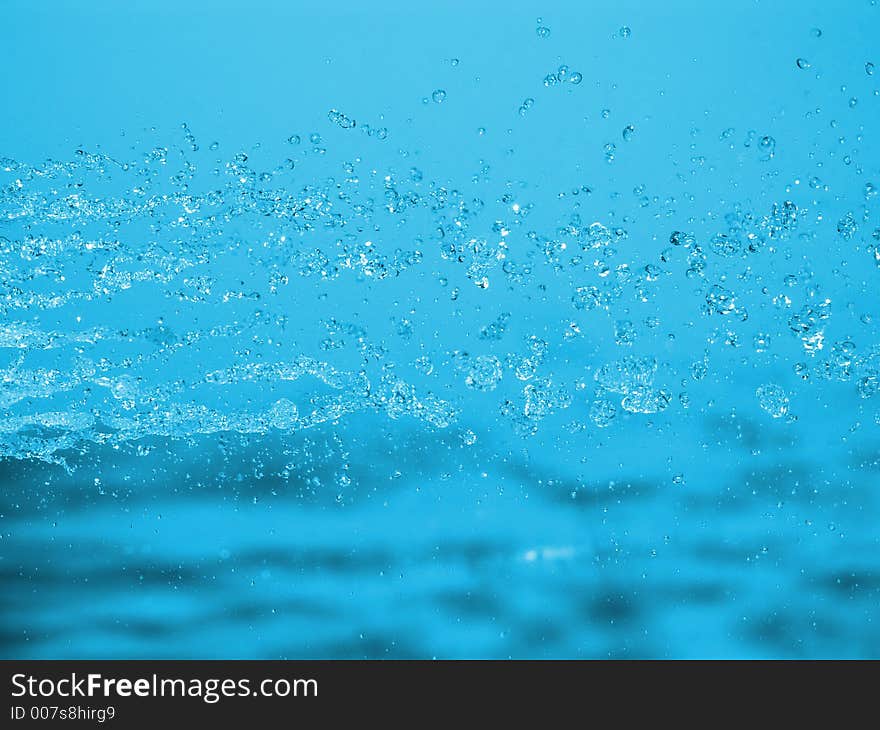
x: 773, y: 400
x: 542, y: 31
x: 624, y: 332
x: 576, y: 77
x: 339, y: 118
x: 438, y: 96
x: 768, y: 146
x: 602, y: 412
x: 847, y: 227
x: 869, y: 68
x: 624, y: 32
x: 484, y: 373
x: 761, y: 342
x: 628, y: 131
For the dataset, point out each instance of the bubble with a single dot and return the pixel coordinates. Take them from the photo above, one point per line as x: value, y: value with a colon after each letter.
x: 542, y: 31
x: 816, y: 32
x: 869, y: 385
x: 628, y: 375
x: 495, y: 330
x: 576, y: 78
x: 540, y: 398
x: 679, y: 238
x: 624, y: 332
x: 284, y: 414
x: 628, y: 131
x: 339, y: 118
x: 439, y: 96
x: 803, y: 63
x: 624, y: 32
x: 588, y: 297
x: 773, y: 400
x: 602, y: 412
x: 720, y: 300
x: 315, y: 138
x: 645, y: 400
x: 847, y: 227
x: 526, y: 105
x: 484, y: 373
x: 869, y: 68
x: 761, y: 342
x: 454, y: 62
x: 840, y: 364
x: 424, y: 365
x: 678, y: 479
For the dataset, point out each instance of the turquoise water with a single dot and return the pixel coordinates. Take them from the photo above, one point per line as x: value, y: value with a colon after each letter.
x: 497, y: 331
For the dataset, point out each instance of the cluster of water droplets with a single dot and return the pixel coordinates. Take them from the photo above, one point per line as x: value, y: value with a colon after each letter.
x: 184, y: 290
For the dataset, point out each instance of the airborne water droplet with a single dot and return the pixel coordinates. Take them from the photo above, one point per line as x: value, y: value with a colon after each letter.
x: 773, y: 400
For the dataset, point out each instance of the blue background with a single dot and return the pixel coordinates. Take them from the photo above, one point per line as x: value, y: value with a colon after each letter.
x: 456, y: 522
